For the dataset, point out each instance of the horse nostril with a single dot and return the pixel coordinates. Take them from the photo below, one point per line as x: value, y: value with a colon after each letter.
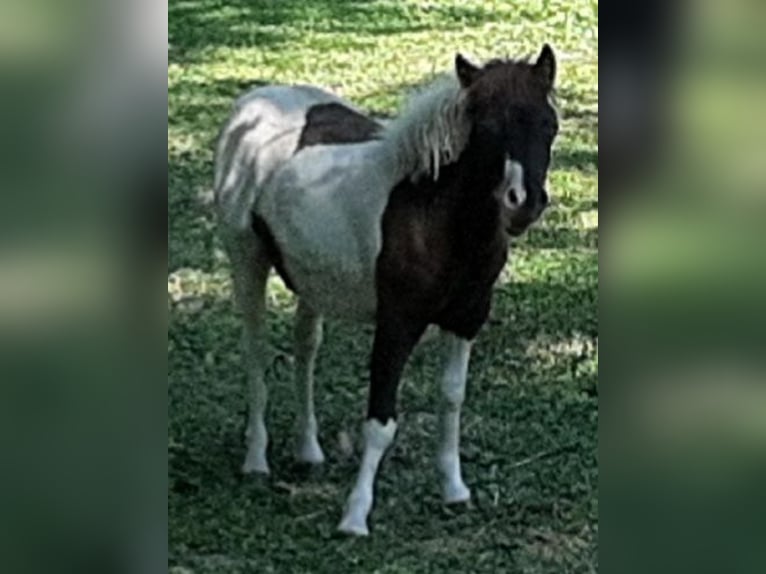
x: 513, y: 197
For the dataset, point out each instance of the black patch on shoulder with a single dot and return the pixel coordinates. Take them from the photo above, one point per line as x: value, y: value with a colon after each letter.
x: 262, y: 230
x: 334, y: 123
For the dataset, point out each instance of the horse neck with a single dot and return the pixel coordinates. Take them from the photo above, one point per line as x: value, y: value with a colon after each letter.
x: 470, y: 188
x: 483, y: 162
x: 480, y: 170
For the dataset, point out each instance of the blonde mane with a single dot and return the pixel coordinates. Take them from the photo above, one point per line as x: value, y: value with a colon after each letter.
x: 432, y: 131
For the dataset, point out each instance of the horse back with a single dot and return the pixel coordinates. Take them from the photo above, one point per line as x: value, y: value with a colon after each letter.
x: 267, y: 126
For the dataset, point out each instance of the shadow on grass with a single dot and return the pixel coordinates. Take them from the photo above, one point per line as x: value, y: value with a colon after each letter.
x: 195, y: 26
x: 584, y: 115
x: 577, y: 102
x: 230, y: 88
x: 580, y: 159
x: 561, y: 238
x: 191, y: 221
x: 587, y: 205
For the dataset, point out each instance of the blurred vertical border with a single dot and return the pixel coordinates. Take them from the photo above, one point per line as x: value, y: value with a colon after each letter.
x: 683, y: 278
x: 83, y: 220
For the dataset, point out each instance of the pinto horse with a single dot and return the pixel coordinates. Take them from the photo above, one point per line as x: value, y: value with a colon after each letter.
x: 406, y: 225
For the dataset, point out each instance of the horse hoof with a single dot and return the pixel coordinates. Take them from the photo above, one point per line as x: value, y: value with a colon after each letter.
x: 352, y: 527
x: 310, y: 452
x: 456, y: 494
x: 255, y: 465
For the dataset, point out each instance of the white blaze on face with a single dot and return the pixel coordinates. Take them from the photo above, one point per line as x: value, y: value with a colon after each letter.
x: 514, y: 192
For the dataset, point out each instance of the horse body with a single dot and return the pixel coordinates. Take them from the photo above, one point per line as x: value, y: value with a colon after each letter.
x: 406, y: 225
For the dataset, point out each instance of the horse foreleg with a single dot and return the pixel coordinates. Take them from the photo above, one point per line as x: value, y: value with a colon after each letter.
x: 453, y: 384
x: 395, y: 338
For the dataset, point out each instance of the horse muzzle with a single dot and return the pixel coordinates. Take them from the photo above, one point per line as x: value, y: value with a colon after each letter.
x: 526, y: 215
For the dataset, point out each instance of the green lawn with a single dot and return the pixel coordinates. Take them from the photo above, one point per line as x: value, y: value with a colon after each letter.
x: 530, y: 421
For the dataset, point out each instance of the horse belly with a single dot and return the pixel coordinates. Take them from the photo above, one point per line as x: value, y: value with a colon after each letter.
x: 331, y: 270
x: 334, y: 293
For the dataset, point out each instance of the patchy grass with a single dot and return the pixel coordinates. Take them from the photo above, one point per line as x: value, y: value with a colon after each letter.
x: 529, y: 439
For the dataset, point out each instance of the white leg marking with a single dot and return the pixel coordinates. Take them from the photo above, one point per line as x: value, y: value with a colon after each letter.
x: 377, y: 440
x: 308, y: 337
x: 250, y: 273
x: 453, y: 393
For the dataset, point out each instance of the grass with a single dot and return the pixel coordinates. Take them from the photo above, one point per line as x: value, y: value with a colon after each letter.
x: 530, y: 422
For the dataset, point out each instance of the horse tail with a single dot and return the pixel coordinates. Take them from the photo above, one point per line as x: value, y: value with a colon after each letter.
x: 235, y: 173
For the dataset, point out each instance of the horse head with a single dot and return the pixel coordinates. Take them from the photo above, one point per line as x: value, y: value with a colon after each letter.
x: 510, y: 106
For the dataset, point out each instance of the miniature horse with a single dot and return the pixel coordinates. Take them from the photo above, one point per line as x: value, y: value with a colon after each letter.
x: 406, y: 225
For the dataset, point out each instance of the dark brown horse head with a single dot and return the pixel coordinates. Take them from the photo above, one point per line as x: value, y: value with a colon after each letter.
x: 510, y: 106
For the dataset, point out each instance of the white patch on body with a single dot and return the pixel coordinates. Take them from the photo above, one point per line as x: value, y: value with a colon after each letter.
x: 512, y: 188
x: 324, y: 208
x: 377, y: 439
x: 453, y: 385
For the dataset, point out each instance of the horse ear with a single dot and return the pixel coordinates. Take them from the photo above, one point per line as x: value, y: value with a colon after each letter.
x: 545, y: 67
x: 466, y: 71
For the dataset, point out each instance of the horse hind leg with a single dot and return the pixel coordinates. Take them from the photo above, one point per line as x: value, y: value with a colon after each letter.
x: 250, y: 271
x: 308, y: 337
